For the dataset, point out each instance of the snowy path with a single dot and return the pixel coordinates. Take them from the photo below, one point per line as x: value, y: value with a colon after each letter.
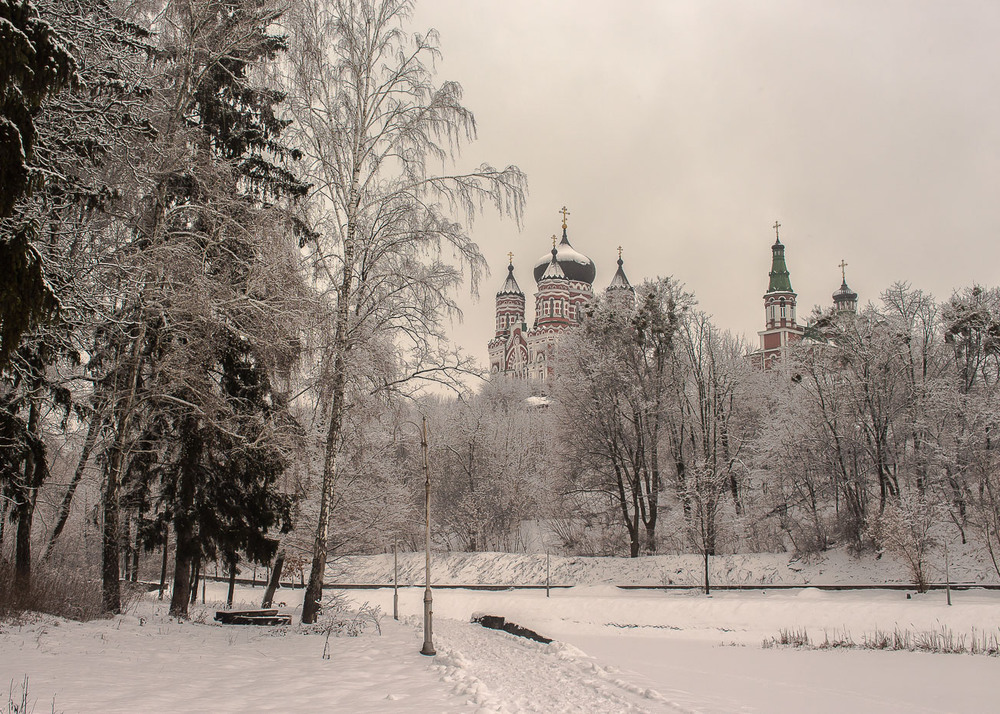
x: 505, y: 673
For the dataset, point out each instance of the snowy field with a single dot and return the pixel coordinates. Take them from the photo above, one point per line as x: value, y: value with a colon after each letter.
x: 614, y: 651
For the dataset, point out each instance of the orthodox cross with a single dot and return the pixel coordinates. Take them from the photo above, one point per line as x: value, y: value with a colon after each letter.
x: 564, y: 213
x: 619, y: 252
x: 510, y: 258
x: 843, y: 273
x: 776, y: 226
x: 554, y: 239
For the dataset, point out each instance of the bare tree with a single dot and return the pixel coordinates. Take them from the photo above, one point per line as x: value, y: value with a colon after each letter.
x: 372, y: 127
x: 613, y: 392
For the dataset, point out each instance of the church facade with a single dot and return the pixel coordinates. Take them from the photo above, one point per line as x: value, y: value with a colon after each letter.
x: 564, y: 285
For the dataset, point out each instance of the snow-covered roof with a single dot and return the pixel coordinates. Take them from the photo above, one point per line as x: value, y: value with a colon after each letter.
x: 554, y: 269
x: 575, y: 265
x: 620, y: 281
x: 510, y: 285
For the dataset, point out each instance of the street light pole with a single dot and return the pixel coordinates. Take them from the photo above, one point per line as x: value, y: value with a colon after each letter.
x: 428, y: 648
x: 395, y: 582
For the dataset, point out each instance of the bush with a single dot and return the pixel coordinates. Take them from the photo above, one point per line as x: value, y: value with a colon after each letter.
x: 68, y: 593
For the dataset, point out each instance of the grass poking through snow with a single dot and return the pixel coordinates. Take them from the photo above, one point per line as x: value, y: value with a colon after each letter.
x: 943, y: 640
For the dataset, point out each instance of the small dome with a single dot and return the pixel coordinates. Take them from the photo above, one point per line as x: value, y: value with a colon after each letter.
x: 575, y: 265
x: 620, y: 280
x: 553, y: 269
x: 844, y: 294
x: 510, y: 286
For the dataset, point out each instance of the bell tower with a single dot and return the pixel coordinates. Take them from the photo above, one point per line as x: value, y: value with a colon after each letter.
x: 780, y: 328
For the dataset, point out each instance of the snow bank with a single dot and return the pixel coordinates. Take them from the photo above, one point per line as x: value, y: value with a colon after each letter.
x: 763, y: 569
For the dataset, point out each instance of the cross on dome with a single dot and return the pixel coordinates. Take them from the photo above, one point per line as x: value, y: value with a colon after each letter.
x: 564, y: 213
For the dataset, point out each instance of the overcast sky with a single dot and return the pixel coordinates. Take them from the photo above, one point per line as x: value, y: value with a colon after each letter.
x: 681, y: 130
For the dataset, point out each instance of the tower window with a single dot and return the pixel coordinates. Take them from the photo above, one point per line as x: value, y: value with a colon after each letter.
x: 558, y: 307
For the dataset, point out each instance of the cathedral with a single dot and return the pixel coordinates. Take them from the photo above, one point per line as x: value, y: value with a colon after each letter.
x: 564, y: 280
x: 564, y: 284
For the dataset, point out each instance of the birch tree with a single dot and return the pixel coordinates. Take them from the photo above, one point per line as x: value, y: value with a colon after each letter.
x: 374, y: 127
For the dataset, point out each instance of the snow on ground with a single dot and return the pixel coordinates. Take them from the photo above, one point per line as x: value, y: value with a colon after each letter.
x: 614, y: 651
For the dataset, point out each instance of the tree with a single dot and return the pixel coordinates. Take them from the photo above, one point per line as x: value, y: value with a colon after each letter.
x: 208, y: 263
x: 371, y: 125
x: 35, y: 62
x: 612, y: 389
x: 490, y: 454
x: 711, y: 408
x: 77, y: 132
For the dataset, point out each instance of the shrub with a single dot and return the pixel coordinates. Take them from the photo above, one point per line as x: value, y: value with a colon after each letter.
x: 64, y: 592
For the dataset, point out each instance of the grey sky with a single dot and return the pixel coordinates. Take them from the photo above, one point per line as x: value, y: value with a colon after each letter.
x: 682, y: 130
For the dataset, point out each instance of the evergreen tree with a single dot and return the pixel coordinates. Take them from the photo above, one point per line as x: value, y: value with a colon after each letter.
x: 217, y: 272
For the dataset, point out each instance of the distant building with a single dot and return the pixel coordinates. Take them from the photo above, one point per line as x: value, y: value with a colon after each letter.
x: 781, y: 329
x: 845, y: 299
x: 564, y: 279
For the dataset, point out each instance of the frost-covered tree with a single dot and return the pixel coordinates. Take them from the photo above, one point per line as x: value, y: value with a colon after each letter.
x: 490, y: 457
x: 613, y: 388
x: 35, y: 63
x: 374, y: 127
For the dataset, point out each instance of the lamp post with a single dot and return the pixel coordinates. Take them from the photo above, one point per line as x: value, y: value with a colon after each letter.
x: 395, y: 582
x: 428, y: 648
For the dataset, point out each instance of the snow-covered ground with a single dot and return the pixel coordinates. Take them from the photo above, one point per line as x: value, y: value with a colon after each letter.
x: 614, y: 650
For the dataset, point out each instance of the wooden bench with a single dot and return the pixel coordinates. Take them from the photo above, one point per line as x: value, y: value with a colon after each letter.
x: 253, y: 617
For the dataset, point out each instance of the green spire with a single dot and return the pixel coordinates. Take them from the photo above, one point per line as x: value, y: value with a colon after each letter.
x: 780, y: 281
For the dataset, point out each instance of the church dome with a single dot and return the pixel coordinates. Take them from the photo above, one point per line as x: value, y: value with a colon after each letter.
x: 844, y: 294
x: 575, y: 265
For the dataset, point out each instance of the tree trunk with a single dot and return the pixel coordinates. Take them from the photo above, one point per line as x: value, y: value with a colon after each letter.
x: 93, y: 430
x: 111, y: 595
x: 182, y: 583
x: 136, y: 547
x: 275, y: 580
x: 25, y: 509
x: 110, y: 586
x: 708, y: 588
x: 22, y: 535
x: 163, y: 564
x: 314, y: 591
x: 3, y: 520
x: 232, y: 582
x: 194, y: 580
